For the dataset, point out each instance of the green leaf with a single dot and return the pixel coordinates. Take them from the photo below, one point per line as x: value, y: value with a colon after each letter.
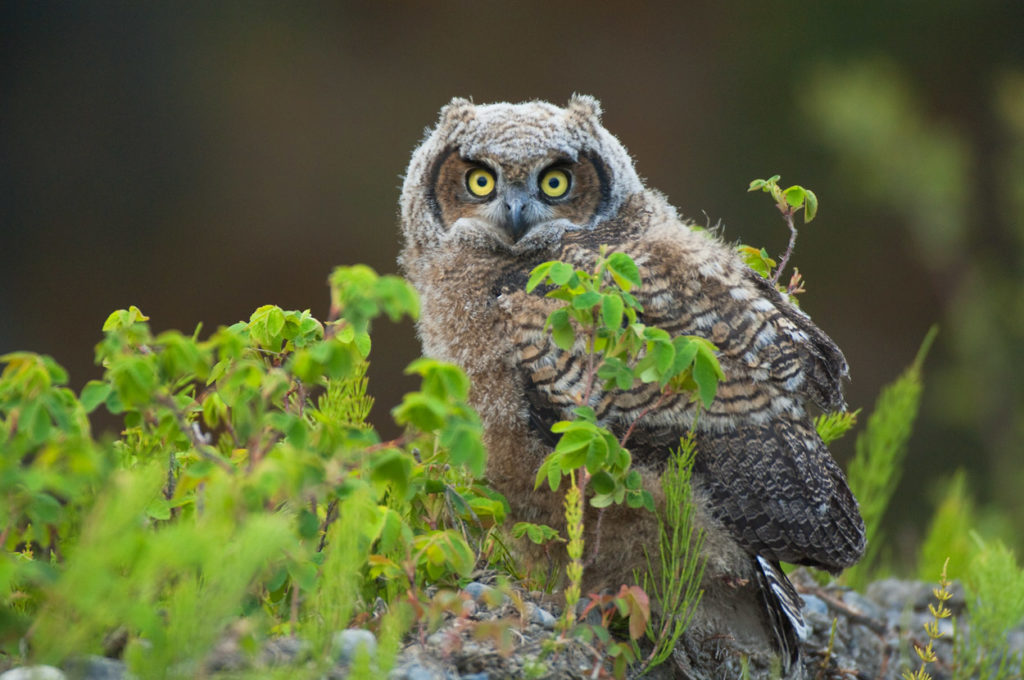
x: 574, y: 440
x: 45, y: 509
x: 537, y: 533
x: 612, y: 310
x: 441, y: 379
x: 602, y: 482
x: 461, y: 436
x: 810, y: 206
x: 685, y: 351
x: 634, y: 480
x: 123, y: 318
x: 617, y: 372
x: 586, y: 300
x: 706, y: 373
x: 795, y: 196
x: 561, y: 329
x: 537, y: 276
x: 757, y: 259
x: 303, y: 574
x: 624, y: 271
x: 159, y: 509
x: 597, y: 455
x: 560, y: 273
x: 134, y: 378
x: 393, y: 467
x: 420, y: 411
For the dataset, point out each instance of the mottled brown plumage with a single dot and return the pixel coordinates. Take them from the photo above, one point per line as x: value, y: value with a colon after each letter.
x: 480, y: 209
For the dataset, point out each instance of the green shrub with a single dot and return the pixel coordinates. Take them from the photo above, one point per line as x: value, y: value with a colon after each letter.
x: 245, y: 482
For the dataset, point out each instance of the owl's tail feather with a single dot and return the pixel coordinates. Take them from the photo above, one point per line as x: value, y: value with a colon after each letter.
x: 783, y: 605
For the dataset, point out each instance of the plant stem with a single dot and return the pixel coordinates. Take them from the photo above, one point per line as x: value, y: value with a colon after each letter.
x: 787, y: 213
x: 632, y: 426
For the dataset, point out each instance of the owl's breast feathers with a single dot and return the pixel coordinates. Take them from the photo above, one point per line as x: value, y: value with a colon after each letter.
x: 767, y: 475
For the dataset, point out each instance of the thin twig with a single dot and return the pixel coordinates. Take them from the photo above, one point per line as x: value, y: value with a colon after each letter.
x: 788, y: 215
x: 632, y: 426
x: 396, y: 443
x: 194, y: 437
x: 332, y: 507
x: 597, y: 538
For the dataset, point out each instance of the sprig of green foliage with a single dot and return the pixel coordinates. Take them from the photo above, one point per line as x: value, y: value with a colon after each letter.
x: 940, y: 611
x: 600, y: 312
x: 788, y: 201
x: 832, y: 426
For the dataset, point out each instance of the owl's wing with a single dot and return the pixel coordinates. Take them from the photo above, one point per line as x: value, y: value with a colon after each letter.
x: 768, y: 477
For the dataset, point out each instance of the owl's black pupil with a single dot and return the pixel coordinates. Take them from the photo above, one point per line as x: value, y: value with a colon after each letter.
x: 481, y: 181
x: 553, y: 182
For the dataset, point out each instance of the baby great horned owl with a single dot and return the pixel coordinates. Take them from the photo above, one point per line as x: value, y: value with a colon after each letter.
x: 493, y: 191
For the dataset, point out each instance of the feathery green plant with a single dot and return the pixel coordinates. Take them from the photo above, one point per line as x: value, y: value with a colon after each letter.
x: 676, y: 584
x: 949, y: 534
x: 995, y: 602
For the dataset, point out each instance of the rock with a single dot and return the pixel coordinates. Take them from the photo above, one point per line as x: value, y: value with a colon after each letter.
x: 416, y: 671
x: 484, y: 594
x: 97, y: 668
x: 862, y: 605
x: 541, y: 617
x: 347, y: 643
x: 283, y: 651
x: 34, y: 673
x: 814, y: 605
x: 898, y: 594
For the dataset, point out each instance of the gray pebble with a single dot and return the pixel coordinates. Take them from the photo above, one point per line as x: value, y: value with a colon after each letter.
x: 475, y: 676
x: 484, y: 594
x: 417, y: 672
x: 541, y: 617
x: 476, y: 590
x: 420, y: 673
x: 815, y: 606
x: 97, y: 668
x: 34, y: 673
x: 862, y: 604
x: 347, y: 642
x: 282, y: 651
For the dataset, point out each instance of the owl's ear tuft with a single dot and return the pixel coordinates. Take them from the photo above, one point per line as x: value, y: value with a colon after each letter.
x: 585, y: 106
x: 457, y: 109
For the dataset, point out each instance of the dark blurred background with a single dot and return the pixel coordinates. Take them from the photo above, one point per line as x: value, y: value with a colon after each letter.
x: 201, y: 159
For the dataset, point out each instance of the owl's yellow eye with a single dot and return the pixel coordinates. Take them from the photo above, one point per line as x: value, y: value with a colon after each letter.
x: 555, y: 183
x: 480, y: 182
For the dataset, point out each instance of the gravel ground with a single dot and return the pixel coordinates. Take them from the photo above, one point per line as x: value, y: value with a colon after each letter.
x: 497, y: 636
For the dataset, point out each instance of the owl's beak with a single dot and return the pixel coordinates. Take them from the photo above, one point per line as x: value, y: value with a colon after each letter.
x: 516, y: 223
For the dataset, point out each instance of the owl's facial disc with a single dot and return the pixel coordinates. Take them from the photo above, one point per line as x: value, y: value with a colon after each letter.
x: 518, y: 203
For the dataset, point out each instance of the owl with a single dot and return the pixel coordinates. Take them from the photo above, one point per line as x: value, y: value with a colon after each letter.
x: 493, y: 191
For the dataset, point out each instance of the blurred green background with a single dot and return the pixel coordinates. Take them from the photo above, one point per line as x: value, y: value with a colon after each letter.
x: 201, y: 159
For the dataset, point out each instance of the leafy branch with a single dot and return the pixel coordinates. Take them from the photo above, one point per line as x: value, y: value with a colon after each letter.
x: 788, y: 201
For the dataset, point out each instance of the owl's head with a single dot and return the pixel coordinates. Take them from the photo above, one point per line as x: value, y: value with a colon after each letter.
x: 514, y: 176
